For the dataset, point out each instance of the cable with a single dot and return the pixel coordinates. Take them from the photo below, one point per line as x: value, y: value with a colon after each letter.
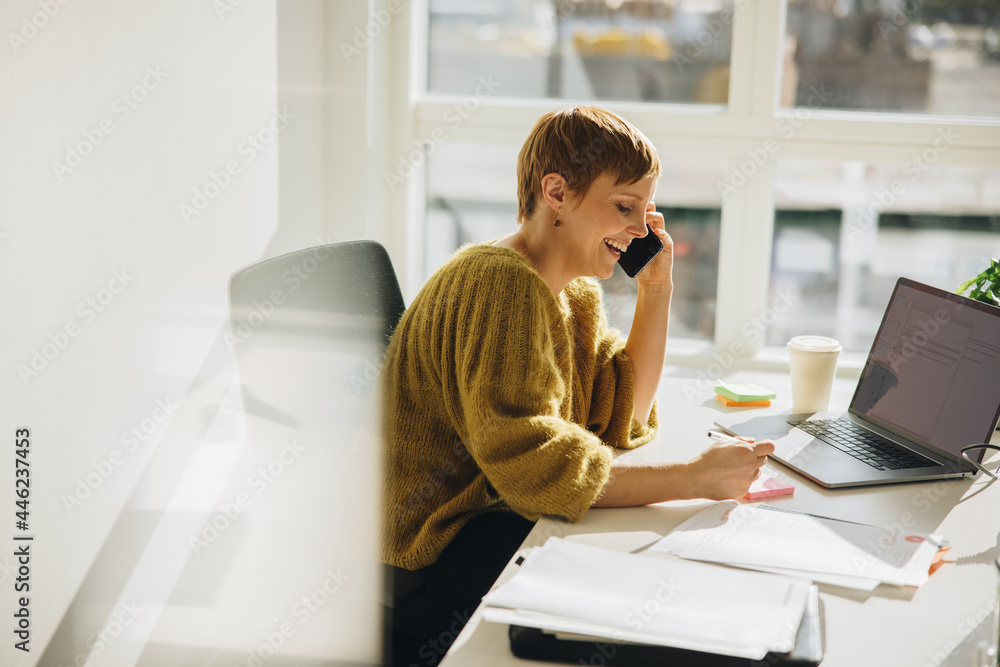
x: 964, y: 452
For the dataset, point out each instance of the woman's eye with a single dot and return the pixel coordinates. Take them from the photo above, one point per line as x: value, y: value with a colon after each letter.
x: 625, y: 210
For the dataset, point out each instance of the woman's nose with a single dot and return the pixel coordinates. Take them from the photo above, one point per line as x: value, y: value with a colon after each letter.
x: 637, y: 228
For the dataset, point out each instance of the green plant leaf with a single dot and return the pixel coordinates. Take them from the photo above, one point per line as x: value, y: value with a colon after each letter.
x: 966, y: 285
x: 984, y: 287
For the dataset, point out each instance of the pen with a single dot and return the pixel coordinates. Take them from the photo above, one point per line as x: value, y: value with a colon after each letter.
x: 727, y: 439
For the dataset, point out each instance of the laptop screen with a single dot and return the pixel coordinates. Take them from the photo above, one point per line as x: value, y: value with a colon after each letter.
x: 933, y: 373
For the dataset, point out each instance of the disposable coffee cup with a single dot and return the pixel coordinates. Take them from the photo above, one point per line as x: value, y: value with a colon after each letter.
x: 812, y: 363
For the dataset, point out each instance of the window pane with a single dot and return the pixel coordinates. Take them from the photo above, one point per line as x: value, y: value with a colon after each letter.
x: 654, y: 51
x: 472, y: 197
x: 844, y: 232
x: 933, y: 56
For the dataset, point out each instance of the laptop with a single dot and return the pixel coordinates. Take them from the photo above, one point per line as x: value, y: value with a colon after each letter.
x: 930, y: 386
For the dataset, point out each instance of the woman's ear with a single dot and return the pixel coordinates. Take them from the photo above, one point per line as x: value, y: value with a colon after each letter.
x: 554, y: 190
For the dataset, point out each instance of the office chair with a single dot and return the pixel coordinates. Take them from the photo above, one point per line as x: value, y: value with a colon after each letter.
x: 348, y: 286
x: 291, y: 312
x: 309, y: 329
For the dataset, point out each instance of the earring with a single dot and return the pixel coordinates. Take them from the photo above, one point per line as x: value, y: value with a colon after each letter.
x: 557, y: 221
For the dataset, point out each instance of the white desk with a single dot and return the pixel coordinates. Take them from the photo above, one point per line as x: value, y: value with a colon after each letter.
x: 889, y: 626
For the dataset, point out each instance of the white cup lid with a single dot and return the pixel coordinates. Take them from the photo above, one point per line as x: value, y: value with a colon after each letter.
x: 814, y: 344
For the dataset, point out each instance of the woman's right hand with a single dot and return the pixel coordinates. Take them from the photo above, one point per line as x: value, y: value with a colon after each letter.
x: 726, y: 471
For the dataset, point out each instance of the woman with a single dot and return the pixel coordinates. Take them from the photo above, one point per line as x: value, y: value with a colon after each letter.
x: 505, y: 390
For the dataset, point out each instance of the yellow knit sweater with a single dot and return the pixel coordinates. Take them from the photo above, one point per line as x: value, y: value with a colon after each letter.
x: 498, y: 396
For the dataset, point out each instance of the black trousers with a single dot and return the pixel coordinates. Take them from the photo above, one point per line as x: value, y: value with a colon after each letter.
x: 430, y: 606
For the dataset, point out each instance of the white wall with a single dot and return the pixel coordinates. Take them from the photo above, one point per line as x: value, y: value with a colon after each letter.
x: 198, y: 79
x: 302, y: 156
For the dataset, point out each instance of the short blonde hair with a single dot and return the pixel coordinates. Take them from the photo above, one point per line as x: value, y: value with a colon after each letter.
x: 580, y: 144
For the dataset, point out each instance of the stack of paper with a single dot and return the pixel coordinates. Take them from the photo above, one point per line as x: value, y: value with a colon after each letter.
x: 743, y: 395
x: 773, y: 539
x: 586, y: 590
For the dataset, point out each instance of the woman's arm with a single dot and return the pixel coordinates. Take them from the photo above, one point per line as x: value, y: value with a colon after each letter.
x: 500, y: 355
x: 647, y: 341
x: 720, y: 472
x: 647, y: 344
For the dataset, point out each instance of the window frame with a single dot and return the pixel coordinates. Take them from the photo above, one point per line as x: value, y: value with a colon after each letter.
x: 745, y: 124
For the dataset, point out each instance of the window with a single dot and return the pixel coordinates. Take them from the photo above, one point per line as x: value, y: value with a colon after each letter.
x: 903, y: 55
x: 471, y: 197
x: 584, y: 50
x: 763, y: 184
x: 835, y: 264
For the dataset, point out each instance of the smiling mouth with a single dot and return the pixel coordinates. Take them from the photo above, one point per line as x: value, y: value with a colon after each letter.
x: 616, y: 247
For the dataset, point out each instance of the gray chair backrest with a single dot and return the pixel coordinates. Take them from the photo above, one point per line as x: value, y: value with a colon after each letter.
x: 310, y: 326
x: 344, y: 289
x: 309, y: 330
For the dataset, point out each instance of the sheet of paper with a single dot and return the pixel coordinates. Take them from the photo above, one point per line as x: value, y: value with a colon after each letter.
x: 631, y: 541
x: 596, y: 591
x: 759, y: 535
x: 844, y: 581
x: 574, y: 629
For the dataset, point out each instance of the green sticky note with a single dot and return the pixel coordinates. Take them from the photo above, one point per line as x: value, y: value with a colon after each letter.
x: 742, y: 393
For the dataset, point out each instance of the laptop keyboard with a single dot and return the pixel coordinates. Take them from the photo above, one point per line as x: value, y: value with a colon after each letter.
x: 867, y: 447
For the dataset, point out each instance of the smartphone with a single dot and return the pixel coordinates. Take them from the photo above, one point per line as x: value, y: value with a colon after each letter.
x: 640, y: 253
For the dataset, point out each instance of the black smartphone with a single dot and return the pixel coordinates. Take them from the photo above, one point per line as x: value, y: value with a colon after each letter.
x: 640, y: 253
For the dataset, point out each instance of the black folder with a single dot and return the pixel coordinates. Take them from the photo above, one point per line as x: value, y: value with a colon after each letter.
x: 535, y: 644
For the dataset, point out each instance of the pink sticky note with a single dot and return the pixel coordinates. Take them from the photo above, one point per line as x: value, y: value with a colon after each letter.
x: 765, y: 487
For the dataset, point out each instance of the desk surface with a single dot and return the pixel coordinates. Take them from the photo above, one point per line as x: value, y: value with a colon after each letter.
x: 889, y: 626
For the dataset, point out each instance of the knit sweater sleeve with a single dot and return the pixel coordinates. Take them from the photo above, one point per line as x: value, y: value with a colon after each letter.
x: 507, y: 392
x: 601, y: 357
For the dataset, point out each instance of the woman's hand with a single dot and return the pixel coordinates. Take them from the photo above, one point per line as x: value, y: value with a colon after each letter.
x: 660, y: 270
x: 726, y: 471
x: 720, y: 472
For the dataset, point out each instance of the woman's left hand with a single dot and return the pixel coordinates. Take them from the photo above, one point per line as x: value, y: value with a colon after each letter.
x: 659, y: 272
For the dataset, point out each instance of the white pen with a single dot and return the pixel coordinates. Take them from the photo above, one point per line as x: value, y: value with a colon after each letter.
x: 726, y: 439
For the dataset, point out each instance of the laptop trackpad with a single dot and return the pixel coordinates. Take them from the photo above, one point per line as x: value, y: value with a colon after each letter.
x: 769, y: 427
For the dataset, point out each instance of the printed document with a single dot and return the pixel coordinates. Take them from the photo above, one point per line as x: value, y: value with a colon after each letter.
x: 777, y: 539
x: 582, y: 589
